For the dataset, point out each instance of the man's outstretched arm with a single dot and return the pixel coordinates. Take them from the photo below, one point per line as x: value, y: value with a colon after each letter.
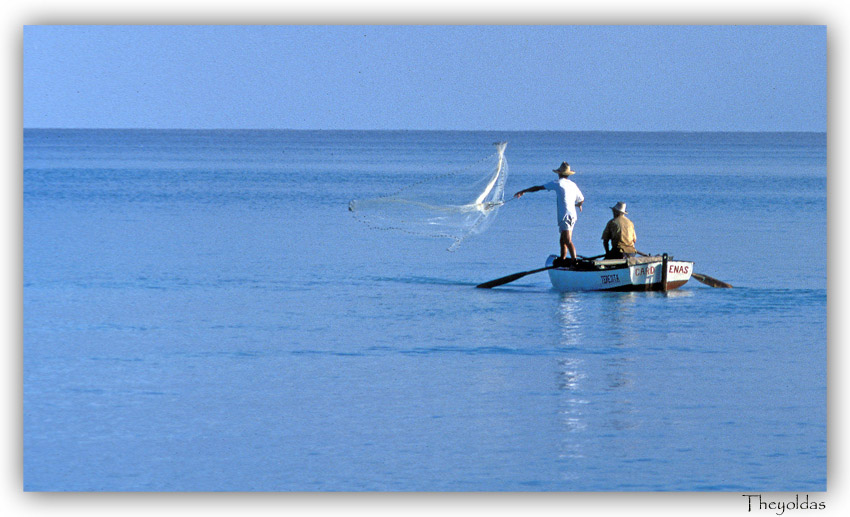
x: 530, y: 189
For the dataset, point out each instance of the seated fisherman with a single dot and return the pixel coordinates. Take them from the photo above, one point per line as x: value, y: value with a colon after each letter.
x: 620, y: 234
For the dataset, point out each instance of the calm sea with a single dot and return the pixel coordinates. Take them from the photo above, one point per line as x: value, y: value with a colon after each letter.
x: 202, y: 313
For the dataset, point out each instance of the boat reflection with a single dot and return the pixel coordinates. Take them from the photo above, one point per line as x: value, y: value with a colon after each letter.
x: 569, y: 312
x: 596, y: 370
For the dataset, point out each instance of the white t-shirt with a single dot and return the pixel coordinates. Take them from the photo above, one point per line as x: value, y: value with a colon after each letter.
x: 568, y: 195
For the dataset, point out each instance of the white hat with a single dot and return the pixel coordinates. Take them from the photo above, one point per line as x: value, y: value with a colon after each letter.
x: 620, y: 207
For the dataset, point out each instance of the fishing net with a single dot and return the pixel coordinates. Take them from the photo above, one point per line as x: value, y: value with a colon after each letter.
x: 455, y: 204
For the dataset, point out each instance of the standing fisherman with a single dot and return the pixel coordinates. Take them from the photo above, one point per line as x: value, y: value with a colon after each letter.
x: 569, y: 197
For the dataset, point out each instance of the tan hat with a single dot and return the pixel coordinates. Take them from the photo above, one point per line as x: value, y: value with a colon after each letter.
x: 564, y: 170
x: 620, y: 207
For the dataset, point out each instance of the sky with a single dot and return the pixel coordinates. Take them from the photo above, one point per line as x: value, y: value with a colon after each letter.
x: 607, y: 78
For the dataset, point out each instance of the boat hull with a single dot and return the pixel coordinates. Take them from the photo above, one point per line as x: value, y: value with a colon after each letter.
x: 634, y: 274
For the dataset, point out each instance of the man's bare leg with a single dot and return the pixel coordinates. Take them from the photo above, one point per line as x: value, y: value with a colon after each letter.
x: 567, y: 244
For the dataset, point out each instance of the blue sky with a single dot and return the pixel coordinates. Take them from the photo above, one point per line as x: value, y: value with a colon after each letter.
x: 632, y: 78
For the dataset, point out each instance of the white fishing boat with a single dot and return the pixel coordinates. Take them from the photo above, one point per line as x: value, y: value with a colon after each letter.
x: 649, y: 273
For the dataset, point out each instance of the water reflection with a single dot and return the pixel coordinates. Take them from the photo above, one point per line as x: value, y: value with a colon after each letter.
x: 595, y: 373
x: 568, y: 318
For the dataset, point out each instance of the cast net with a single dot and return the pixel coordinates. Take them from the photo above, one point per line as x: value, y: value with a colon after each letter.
x: 454, y: 205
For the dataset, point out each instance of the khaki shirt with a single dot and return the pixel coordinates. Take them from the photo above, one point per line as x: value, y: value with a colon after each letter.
x: 621, y: 232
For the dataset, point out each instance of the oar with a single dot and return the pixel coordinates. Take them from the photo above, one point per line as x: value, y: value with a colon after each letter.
x: 705, y: 279
x: 516, y: 276
x: 510, y: 278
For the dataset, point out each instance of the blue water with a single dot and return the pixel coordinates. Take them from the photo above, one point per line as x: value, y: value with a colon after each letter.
x: 201, y: 312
